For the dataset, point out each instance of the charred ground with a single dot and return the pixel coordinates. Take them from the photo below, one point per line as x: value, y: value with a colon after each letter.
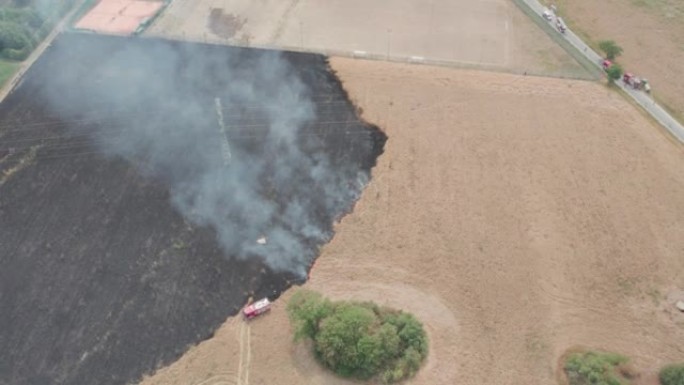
x: 103, y: 278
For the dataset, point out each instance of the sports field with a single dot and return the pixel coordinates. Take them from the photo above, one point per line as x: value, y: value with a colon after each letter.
x: 120, y: 17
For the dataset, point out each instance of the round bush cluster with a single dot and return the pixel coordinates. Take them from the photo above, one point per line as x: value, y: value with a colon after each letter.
x: 359, y: 339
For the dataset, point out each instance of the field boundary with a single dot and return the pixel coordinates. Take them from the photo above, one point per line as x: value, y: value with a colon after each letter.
x: 147, y: 23
x: 363, y: 55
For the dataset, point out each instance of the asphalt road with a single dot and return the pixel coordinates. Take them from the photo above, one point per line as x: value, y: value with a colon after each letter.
x: 642, y: 98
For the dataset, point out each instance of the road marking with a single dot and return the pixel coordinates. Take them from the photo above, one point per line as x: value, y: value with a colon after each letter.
x: 219, y: 379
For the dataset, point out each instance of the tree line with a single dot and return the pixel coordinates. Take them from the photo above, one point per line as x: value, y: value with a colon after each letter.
x: 25, y: 23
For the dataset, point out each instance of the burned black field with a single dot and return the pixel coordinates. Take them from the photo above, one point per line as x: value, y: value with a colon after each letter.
x: 148, y: 188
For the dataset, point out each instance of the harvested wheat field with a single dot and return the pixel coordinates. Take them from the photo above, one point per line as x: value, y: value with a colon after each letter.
x: 516, y: 216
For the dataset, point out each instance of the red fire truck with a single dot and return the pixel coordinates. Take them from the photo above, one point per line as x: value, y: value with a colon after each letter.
x: 256, y: 309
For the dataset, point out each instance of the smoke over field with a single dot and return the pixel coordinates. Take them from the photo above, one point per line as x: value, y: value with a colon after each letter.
x: 238, y: 140
x: 147, y: 188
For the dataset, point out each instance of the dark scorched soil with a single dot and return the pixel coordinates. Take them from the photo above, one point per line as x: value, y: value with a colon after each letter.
x: 102, y: 279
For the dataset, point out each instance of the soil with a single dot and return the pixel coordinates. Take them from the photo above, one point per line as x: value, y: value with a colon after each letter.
x: 651, y: 34
x: 102, y: 279
x: 516, y: 216
x: 224, y: 25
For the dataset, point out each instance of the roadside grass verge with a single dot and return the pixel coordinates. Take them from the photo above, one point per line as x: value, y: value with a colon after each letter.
x: 7, y: 70
x: 676, y: 114
x: 590, y: 67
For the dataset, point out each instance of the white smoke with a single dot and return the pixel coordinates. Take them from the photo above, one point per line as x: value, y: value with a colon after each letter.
x: 154, y: 105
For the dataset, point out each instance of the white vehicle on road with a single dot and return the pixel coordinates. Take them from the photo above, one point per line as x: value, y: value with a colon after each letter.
x: 560, y: 24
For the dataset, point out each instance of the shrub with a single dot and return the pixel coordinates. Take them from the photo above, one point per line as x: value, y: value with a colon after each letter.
x: 12, y: 36
x: 614, y: 73
x: 16, y: 54
x: 306, y: 310
x: 25, y: 24
x: 360, y: 340
x: 672, y: 375
x: 346, y: 344
x: 610, y: 48
x: 594, y: 368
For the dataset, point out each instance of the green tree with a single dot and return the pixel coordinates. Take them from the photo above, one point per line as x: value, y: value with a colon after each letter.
x: 410, y: 332
x: 672, y: 375
x: 12, y: 36
x: 391, y: 342
x: 359, y: 340
x: 306, y: 309
x: 345, y: 343
x: 614, y: 73
x: 610, y: 48
x: 593, y: 368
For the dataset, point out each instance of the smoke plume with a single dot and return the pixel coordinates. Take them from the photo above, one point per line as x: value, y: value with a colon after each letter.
x: 233, y: 137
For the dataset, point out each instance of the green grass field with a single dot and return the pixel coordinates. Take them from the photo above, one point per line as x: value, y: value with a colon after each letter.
x: 7, y: 69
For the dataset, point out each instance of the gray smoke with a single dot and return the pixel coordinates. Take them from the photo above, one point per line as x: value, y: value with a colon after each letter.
x: 156, y: 107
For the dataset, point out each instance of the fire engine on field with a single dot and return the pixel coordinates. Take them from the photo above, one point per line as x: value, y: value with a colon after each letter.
x: 256, y: 309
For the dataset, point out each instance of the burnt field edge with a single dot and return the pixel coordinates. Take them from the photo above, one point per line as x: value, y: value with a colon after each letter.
x: 211, y: 287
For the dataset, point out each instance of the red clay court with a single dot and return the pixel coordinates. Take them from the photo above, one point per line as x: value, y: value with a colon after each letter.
x: 121, y: 17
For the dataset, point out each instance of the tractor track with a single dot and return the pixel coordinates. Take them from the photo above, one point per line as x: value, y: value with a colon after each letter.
x: 244, y: 339
x: 225, y: 378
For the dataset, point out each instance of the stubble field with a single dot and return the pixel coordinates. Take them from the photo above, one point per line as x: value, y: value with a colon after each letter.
x: 518, y: 217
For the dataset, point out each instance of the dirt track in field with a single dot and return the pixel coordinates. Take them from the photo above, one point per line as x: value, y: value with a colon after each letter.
x: 516, y: 216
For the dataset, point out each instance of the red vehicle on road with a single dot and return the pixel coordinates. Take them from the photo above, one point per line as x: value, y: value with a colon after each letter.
x: 606, y: 64
x: 256, y: 309
x: 636, y: 83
